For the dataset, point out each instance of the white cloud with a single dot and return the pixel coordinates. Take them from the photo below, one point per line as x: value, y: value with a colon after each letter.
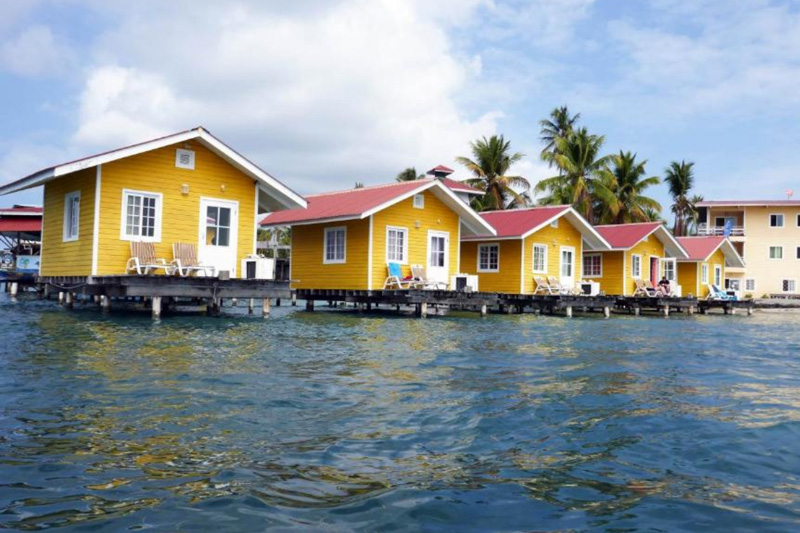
x: 354, y: 91
x: 35, y: 52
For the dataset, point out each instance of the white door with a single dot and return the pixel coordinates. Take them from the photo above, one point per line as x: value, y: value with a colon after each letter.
x: 567, y: 267
x: 438, y: 256
x: 219, y: 220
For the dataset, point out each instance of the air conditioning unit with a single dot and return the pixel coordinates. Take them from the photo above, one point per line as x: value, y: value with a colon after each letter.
x: 257, y: 267
x: 464, y: 283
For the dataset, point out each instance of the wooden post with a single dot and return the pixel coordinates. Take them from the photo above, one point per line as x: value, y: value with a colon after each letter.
x: 68, y: 300
x: 501, y: 308
x: 690, y: 310
x: 106, y: 302
x: 725, y: 309
x: 14, y: 290
x: 250, y: 305
x: 369, y: 306
x: 277, y: 302
x: 607, y: 311
x: 156, y: 306
x: 636, y: 311
x: 665, y: 310
x: 46, y: 292
x: 483, y: 310
x: 309, y: 305
x: 733, y: 310
x: 60, y: 297
x: 569, y: 311
x: 423, y: 310
x: 294, y: 299
x: 234, y: 302
x: 265, y: 309
x: 750, y: 311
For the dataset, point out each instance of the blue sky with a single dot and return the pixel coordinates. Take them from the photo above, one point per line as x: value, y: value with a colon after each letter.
x: 323, y: 94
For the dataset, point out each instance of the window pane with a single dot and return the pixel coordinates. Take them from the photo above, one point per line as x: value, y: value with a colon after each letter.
x: 223, y: 237
x: 212, y: 214
x: 225, y: 217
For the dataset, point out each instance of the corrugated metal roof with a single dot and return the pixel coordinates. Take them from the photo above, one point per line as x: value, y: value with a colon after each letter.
x: 460, y: 186
x: 518, y: 222
x: 699, y: 248
x: 624, y: 236
x: 20, y: 224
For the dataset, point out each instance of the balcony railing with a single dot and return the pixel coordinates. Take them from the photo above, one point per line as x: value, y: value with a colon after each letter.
x: 705, y: 230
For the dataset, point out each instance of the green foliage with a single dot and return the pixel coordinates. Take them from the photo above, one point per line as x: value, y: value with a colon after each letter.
x: 680, y: 179
x: 409, y: 174
x: 618, y: 192
x: 490, y: 163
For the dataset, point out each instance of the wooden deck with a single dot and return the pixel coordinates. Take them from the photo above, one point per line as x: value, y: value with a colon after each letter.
x: 729, y: 307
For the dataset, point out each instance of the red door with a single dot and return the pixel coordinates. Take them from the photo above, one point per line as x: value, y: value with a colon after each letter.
x: 655, y: 271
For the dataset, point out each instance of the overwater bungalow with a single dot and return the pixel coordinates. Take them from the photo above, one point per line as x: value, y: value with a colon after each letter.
x: 708, y: 257
x: 529, y: 243
x: 188, y: 187
x: 346, y: 239
x: 639, y: 251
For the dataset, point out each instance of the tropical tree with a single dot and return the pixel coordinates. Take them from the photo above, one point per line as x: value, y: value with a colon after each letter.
x: 559, y: 125
x: 409, y: 174
x: 358, y: 185
x: 680, y: 179
x: 490, y: 163
x: 693, y: 216
x: 619, y: 191
x: 578, y: 160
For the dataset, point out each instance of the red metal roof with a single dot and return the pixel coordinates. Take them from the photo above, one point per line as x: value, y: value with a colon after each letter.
x: 341, y: 204
x: 441, y: 169
x: 749, y: 203
x: 460, y: 186
x: 699, y: 248
x: 20, y: 224
x: 624, y: 236
x: 518, y: 222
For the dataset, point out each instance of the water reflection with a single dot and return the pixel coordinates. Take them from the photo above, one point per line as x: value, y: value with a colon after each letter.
x: 334, y: 419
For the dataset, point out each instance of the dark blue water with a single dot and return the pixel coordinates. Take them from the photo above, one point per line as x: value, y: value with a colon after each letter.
x: 331, y: 421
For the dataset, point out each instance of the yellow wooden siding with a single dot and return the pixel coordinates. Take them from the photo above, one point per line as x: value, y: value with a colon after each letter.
x: 716, y: 259
x: 688, y: 276
x: 613, y: 268
x: 72, y: 258
x: 155, y: 172
x: 647, y: 248
x: 435, y: 216
x: 554, y: 238
x: 507, y: 279
x: 307, y: 257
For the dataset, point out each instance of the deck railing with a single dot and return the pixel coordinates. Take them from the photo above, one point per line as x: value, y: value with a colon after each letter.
x: 706, y: 229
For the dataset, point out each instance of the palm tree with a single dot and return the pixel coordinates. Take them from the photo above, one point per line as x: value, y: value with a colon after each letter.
x: 560, y: 124
x: 680, y: 178
x: 693, y: 216
x: 491, y: 160
x: 619, y: 191
x: 409, y: 174
x: 577, y: 158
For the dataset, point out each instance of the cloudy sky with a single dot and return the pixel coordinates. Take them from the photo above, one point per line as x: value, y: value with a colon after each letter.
x: 322, y: 94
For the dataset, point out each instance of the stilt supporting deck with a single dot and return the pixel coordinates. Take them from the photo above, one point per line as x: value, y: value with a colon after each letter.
x: 250, y: 305
x: 14, y: 290
x: 749, y: 311
x: 234, y: 302
x: 277, y: 302
x: 422, y: 310
x: 665, y: 310
x: 106, y: 303
x: 265, y: 309
x: 607, y: 312
x: 569, y: 311
x: 483, y: 310
x: 690, y: 310
x: 636, y: 311
x: 294, y: 299
x: 309, y: 305
x: 156, y: 306
x: 68, y: 299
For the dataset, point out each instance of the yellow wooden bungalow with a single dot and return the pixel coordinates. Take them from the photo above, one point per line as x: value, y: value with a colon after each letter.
x: 534, y: 242
x: 188, y: 187
x: 708, y: 258
x: 346, y: 239
x: 640, y: 251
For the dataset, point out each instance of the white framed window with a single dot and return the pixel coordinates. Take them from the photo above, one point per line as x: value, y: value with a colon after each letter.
x: 539, y: 258
x: 592, y: 265
x: 141, y: 216
x: 776, y: 220
x: 419, y: 201
x: 788, y: 285
x: 704, y: 273
x: 776, y: 252
x: 636, y: 266
x: 72, y: 216
x: 488, y: 258
x: 184, y: 159
x: 396, y: 245
x: 554, y: 224
x: 750, y: 284
x: 718, y: 275
x: 668, y: 269
x: 335, y: 247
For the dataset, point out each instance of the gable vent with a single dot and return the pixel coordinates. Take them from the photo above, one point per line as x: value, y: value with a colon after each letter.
x: 184, y: 159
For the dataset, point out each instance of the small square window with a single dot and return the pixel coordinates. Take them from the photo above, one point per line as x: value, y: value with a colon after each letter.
x: 419, y: 201
x: 776, y: 220
x: 593, y: 265
x: 750, y: 284
x: 788, y: 285
x: 776, y: 252
x: 335, y: 245
x: 488, y: 258
x: 184, y: 159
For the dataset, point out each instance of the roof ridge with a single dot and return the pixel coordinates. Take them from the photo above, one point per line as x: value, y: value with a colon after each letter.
x: 369, y: 188
x: 524, y: 209
x: 627, y: 224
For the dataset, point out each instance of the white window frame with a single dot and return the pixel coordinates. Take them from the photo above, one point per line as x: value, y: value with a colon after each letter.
x: 419, y: 201
x: 704, y: 273
x: 533, y: 258
x: 745, y: 284
x: 389, y: 229
x: 669, y: 261
x: 783, y: 220
x: 718, y: 275
x: 585, y: 274
x: 325, y: 260
x: 66, y: 235
x: 635, y: 275
x: 181, y: 151
x: 769, y: 253
x: 554, y: 224
x: 794, y: 282
x: 124, y: 220
x: 488, y: 245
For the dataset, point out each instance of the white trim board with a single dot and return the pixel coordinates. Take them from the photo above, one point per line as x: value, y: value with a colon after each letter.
x: 96, y: 223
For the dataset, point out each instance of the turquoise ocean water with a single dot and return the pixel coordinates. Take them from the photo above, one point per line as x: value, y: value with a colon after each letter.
x: 335, y: 421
